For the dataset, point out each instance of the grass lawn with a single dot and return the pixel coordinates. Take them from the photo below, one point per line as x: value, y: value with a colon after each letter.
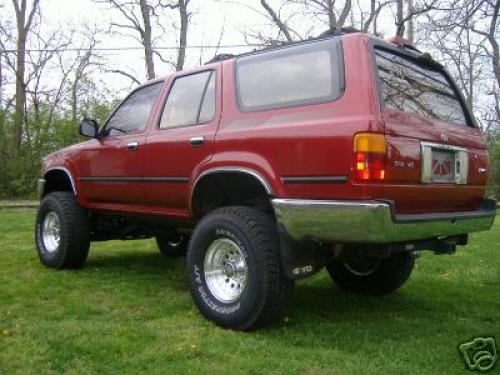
x: 129, y: 311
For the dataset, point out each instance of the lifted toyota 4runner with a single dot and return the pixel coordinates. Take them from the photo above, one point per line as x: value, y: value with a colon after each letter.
x: 346, y: 151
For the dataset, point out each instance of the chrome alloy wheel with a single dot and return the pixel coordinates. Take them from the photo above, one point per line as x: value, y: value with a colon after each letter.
x: 226, y: 270
x: 51, y: 229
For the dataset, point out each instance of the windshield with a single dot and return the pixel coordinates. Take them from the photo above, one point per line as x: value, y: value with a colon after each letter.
x: 413, y: 88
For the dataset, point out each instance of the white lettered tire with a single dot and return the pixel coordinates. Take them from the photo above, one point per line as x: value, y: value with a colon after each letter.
x: 234, y: 269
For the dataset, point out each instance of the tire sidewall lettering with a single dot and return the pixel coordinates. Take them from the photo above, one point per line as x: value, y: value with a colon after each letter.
x: 198, y: 275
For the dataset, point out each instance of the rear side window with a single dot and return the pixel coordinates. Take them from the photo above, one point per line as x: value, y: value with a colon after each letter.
x: 191, y: 101
x: 305, y: 74
x: 133, y: 114
x: 413, y: 88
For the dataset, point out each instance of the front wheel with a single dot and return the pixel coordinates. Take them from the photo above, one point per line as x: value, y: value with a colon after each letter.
x: 362, y: 274
x: 234, y: 269
x: 62, y: 231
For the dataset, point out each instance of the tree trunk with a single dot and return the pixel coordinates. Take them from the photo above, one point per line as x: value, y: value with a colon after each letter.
x: 146, y: 40
x: 494, y: 42
x: 411, y: 28
x: 74, y: 102
x: 332, y: 21
x: 344, y: 14
x: 183, y: 14
x: 400, y: 19
x: 23, y: 27
x: 1, y: 80
x: 283, y: 28
x: 20, y: 89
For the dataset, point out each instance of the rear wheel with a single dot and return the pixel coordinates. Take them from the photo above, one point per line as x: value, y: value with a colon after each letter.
x: 173, y: 245
x: 62, y: 231
x: 362, y: 274
x: 234, y: 268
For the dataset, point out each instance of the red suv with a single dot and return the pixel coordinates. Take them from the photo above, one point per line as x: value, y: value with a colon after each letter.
x: 346, y: 151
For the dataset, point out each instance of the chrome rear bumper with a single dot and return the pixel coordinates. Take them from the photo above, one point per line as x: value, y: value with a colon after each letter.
x: 374, y: 221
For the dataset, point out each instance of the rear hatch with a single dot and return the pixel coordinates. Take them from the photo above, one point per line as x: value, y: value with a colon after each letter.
x: 436, y: 156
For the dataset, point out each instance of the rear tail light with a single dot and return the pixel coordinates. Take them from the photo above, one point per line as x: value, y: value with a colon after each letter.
x: 369, y: 157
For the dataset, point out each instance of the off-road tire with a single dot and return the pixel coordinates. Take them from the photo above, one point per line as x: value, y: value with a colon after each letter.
x: 74, y: 237
x: 390, y: 274
x: 171, y: 247
x: 267, y: 289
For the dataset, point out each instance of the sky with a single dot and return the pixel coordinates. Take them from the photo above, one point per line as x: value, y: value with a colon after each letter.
x: 211, y: 20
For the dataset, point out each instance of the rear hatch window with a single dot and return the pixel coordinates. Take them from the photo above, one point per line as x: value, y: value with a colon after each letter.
x: 409, y: 87
x: 434, y: 159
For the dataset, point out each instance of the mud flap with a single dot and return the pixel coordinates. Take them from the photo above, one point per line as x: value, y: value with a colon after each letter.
x: 301, y: 259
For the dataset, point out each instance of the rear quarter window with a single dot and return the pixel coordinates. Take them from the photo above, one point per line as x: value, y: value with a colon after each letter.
x: 305, y: 74
x: 410, y: 87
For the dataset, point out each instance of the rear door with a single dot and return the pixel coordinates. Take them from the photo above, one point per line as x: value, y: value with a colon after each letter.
x: 436, y: 157
x: 182, y: 139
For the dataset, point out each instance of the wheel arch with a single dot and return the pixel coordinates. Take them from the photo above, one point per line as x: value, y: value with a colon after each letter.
x: 58, y: 179
x: 233, y: 177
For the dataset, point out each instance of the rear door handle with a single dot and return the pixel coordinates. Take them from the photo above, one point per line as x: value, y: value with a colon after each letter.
x: 196, y: 141
x: 132, y: 146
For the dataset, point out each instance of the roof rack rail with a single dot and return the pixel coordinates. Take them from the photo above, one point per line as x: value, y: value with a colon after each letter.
x: 339, y: 31
x: 334, y: 31
x: 220, y: 57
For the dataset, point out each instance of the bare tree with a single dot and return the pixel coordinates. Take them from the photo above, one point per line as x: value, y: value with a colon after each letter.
x: 84, y: 60
x: 283, y: 28
x: 336, y: 15
x: 491, y: 8
x: 372, y: 17
x: 411, y: 22
x: 1, y: 78
x: 464, y: 35
x: 184, y: 23
x: 24, y: 20
x: 330, y: 13
x: 327, y: 12
x: 184, y: 17
x: 47, y: 58
x: 414, y: 10
x: 140, y: 20
x: 136, y: 15
x: 9, y: 59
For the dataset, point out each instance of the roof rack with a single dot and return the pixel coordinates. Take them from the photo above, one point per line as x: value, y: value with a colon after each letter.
x: 334, y: 31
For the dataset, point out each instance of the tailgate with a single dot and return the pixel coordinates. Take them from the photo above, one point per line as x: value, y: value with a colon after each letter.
x: 436, y: 158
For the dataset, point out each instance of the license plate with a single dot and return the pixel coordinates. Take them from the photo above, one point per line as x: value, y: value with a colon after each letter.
x: 443, y: 166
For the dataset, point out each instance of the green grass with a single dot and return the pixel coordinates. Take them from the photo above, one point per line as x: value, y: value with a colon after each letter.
x: 129, y: 311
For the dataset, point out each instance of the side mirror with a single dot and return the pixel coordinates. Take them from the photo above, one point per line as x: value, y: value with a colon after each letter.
x: 89, y: 128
